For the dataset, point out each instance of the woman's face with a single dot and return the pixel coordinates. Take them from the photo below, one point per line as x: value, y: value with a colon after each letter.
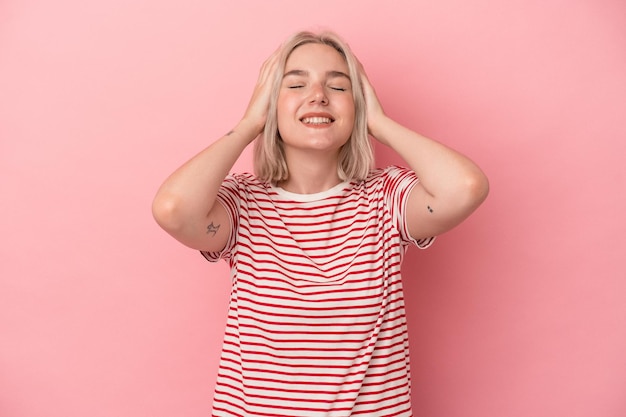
x: 315, y: 108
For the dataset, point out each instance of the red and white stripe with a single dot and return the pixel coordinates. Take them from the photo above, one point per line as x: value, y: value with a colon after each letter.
x: 316, y: 323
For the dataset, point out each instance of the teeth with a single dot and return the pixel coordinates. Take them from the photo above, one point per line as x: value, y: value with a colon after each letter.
x: 316, y: 120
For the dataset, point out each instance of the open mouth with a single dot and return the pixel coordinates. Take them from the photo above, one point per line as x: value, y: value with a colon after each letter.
x: 317, y: 120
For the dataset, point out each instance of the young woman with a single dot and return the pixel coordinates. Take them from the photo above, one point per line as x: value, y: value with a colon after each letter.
x: 316, y: 323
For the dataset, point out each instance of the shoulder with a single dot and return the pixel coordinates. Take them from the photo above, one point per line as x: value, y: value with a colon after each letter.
x: 390, y: 173
x: 245, y: 181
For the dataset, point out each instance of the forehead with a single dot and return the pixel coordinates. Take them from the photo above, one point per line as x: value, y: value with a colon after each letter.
x: 315, y: 55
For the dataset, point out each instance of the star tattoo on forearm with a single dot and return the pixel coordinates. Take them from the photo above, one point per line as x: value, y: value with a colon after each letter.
x: 212, y: 229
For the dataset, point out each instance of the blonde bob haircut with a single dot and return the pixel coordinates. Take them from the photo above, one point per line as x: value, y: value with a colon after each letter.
x: 355, y: 157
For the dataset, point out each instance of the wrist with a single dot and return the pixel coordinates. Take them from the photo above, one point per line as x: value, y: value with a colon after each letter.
x: 248, y: 129
x: 379, y: 127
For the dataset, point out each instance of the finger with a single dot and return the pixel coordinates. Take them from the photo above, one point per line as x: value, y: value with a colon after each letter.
x: 271, y: 63
x: 365, y: 82
x: 361, y: 68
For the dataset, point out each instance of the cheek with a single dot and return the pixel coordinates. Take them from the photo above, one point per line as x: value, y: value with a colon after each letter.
x: 281, y: 111
x: 284, y: 106
x: 348, y: 104
x: 350, y: 112
x: 283, y: 119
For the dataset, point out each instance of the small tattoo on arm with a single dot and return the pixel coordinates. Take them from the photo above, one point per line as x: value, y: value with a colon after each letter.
x: 230, y: 133
x: 430, y: 209
x: 212, y: 229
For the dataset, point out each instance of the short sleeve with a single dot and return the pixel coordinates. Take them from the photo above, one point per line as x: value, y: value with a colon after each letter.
x: 397, y: 185
x: 229, y: 197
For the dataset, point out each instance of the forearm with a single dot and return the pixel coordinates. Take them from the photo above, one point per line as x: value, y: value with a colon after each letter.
x: 444, y: 173
x: 188, y: 195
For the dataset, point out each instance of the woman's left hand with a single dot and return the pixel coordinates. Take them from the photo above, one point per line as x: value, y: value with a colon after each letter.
x: 375, y: 113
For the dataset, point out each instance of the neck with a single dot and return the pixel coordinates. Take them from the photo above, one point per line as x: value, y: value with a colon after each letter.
x: 311, y: 173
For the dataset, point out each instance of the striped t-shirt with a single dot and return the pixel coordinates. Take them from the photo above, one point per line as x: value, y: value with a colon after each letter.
x: 316, y: 322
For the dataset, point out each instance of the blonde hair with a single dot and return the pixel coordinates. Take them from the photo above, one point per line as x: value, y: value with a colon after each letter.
x: 355, y: 157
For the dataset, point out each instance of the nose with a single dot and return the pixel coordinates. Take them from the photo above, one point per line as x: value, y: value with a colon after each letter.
x: 318, y: 94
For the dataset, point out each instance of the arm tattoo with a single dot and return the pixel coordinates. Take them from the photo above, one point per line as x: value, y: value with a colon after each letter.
x: 230, y: 133
x: 212, y: 229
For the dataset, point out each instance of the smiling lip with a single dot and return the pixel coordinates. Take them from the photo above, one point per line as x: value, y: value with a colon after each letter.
x: 317, y: 119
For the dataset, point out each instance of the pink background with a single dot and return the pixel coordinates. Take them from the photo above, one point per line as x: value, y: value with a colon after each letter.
x: 520, y: 311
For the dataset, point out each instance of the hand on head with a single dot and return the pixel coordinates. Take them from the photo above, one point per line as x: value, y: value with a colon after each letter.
x: 375, y: 112
x: 256, y: 113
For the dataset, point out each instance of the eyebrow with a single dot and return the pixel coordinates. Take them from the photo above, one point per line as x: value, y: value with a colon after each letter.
x: 303, y: 73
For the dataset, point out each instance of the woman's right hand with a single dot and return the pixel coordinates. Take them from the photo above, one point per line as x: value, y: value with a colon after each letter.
x: 258, y: 107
